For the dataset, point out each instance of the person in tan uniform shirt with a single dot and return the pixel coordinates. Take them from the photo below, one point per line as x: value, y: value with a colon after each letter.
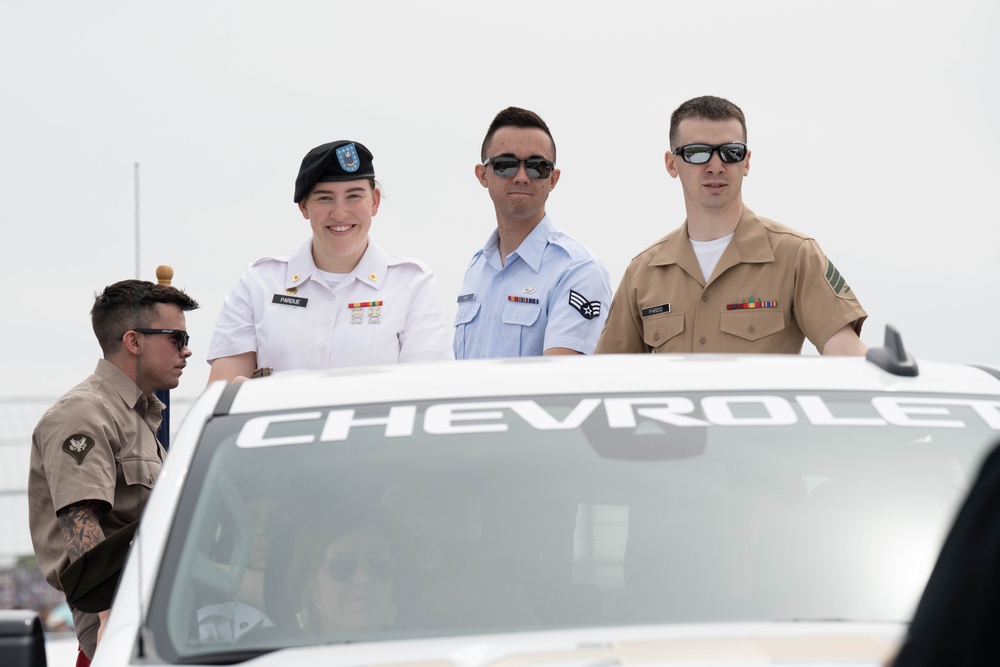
x: 728, y: 280
x: 94, y: 453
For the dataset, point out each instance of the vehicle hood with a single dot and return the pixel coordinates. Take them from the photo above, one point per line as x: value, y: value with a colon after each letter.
x: 813, y: 644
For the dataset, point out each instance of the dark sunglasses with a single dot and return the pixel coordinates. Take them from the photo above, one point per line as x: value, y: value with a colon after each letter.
x: 702, y: 153
x: 181, y: 337
x: 343, y: 566
x: 537, y: 168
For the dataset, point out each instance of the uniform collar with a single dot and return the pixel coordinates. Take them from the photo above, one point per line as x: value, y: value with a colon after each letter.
x: 371, y: 269
x: 749, y: 245
x: 373, y: 266
x: 751, y: 240
x: 532, y: 247
x: 129, y: 391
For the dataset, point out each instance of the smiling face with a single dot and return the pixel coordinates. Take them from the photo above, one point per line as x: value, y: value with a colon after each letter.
x: 340, y: 214
x: 354, y: 586
x: 159, y: 363
x: 713, y: 187
x: 518, y: 200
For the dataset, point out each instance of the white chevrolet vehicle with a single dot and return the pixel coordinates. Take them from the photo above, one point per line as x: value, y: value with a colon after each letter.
x: 604, y: 510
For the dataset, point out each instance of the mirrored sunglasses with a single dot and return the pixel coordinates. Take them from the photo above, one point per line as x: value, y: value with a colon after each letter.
x: 702, y: 153
x: 343, y: 566
x: 537, y: 168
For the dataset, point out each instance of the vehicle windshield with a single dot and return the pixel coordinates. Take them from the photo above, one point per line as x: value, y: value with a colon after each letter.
x: 379, y: 522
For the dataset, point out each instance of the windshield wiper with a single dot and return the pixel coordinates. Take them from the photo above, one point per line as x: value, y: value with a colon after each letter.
x: 225, y: 658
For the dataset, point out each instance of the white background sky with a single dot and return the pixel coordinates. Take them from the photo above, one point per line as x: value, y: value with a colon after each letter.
x: 872, y: 126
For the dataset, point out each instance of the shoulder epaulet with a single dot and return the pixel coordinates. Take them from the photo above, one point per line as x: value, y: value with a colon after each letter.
x: 393, y: 260
x: 281, y: 259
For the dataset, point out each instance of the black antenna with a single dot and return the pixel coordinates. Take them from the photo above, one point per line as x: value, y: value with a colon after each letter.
x: 141, y: 639
x: 892, y: 357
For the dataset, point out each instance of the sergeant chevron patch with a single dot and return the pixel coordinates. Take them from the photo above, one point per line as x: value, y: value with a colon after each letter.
x: 836, y: 280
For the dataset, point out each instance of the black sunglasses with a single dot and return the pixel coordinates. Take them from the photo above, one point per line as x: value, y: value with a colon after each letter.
x: 537, y: 168
x: 181, y: 337
x: 343, y: 566
x: 702, y: 153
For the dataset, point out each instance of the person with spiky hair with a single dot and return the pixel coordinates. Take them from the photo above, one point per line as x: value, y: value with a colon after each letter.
x: 532, y: 289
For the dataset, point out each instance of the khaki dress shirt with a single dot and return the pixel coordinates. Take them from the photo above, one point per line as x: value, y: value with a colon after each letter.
x: 772, y: 288
x: 98, y: 442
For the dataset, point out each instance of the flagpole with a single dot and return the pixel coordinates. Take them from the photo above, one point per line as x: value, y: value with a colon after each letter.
x: 138, y: 274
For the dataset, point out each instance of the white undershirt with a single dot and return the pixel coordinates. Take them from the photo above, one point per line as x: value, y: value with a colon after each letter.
x: 709, y: 252
x: 333, y: 279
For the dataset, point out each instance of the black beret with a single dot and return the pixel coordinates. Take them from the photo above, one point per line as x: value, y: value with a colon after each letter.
x: 336, y: 161
x: 90, y: 581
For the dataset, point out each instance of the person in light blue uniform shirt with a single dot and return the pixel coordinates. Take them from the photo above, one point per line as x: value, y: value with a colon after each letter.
x: 531, y: 290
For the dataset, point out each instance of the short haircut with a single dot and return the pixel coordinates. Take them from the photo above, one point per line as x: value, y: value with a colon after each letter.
x: 131, y: 304
x: 516, y: 117
x: 709, y: 108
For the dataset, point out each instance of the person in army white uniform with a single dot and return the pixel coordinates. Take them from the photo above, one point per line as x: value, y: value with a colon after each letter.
x: 340, y: 300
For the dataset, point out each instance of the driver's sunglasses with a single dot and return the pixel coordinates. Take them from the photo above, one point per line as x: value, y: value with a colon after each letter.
x: 181, y: 337
x: 536, y: 168
x: 343, y: 566
x: 702, y: 153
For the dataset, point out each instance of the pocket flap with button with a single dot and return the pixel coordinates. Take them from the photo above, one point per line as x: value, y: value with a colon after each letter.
x: 523, y: 314
x: 140, y: 471
x: 467, y: 312
x: 753, y: 324
x: 658, y: 329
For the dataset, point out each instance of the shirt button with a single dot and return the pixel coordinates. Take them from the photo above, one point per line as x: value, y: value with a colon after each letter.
x: 656, y: 336
x: 704, y: 298
x: 751, y: 328
x: 322, y: 346
x: 326, y: 320
x: 500, y: 277
x: 702, y: 340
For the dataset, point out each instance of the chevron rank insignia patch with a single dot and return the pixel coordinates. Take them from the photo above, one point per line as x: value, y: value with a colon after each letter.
x: 837, y: 282
x: 589, y: 309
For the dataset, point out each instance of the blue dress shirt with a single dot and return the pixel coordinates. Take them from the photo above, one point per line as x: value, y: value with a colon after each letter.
x: 553, y: 292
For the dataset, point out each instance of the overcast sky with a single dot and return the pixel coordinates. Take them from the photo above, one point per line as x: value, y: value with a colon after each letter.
x: 872, y: 126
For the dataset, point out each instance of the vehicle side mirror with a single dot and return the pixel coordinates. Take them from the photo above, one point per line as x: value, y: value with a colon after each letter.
x: 22, y: 641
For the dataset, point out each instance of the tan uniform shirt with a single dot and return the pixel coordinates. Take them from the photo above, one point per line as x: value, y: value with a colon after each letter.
x: 97, y: 442
x: 772, y: 287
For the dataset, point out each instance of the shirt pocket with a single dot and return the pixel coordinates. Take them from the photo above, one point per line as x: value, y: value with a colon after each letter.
x: 466, y: 314
x: 140, y: 471
x: 658, y: 330
x: 520, y: 336
x: 753, y: 324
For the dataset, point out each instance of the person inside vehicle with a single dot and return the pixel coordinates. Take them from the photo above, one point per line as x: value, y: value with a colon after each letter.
x: 228, y: 620
x: 449, y: 582
x: 339, y: 578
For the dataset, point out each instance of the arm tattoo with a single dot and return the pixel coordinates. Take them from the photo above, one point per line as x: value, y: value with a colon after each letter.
x: 81, y: 527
